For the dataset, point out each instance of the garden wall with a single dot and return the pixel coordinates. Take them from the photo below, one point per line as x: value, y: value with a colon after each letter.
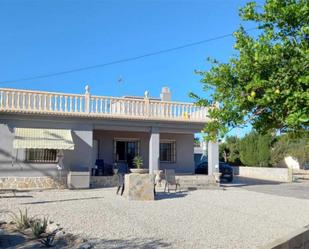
x: 265, y: 173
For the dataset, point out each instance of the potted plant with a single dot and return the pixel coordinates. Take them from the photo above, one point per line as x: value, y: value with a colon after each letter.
x: 138, y: 164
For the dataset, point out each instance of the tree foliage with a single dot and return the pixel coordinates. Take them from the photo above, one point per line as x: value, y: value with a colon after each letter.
x: 229, y: 151
x: 289, y: 145
x: 266, y: 83
x: 255, y: 149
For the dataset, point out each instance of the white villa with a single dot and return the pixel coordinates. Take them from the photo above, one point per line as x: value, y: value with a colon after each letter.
x: 46, y: 135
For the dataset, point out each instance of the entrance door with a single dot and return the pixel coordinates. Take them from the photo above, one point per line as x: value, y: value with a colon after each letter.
x: 126, y: 151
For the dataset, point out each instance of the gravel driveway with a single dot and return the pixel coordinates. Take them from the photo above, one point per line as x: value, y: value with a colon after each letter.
x: 216, y: 218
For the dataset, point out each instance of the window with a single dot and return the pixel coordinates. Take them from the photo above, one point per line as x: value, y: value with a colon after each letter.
x: 125, y: 150
x: 41, y: 155
x: 168, y: 151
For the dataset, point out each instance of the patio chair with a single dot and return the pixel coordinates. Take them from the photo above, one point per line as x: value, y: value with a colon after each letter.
x: 170, y: 180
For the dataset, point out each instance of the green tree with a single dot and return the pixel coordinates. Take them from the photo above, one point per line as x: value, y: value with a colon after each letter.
x: 229, y: 150
x: 255, y: 149
x: 289, y: 145
x: 266, y: 83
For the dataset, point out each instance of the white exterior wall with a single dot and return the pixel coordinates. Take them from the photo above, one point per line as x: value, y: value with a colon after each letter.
x: 78, y: 159
x: 265, y: 173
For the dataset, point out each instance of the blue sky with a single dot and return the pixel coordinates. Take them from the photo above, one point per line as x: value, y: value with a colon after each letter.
x: 41, y: 37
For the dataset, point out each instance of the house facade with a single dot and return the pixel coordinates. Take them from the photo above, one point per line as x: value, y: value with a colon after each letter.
x: 46, y: 135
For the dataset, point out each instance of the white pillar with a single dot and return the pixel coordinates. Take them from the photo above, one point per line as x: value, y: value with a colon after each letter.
x: 213, y: 157
x: 154, y: 150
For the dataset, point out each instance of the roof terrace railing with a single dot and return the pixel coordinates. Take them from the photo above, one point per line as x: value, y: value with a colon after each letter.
x: 52, y: 103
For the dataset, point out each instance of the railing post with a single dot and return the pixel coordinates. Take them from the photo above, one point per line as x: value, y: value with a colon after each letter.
x: 87, y: 99
x: 147, y: 104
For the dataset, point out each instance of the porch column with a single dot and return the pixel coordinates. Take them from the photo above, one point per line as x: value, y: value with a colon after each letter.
x: 213, y: 157
x: 154, y: 150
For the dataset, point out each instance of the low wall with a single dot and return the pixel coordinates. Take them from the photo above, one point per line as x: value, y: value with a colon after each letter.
x: 265, y: 173
x: 103, y: 181
x: 21, y: 183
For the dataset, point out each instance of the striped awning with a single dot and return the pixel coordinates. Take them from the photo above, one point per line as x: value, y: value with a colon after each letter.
x: 33, y: 138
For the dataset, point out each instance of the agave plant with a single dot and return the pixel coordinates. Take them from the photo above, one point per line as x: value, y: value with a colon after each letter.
x: 21, y: 220
x: 38, y: 227
x: 138, y: 162
x: 49, y: 240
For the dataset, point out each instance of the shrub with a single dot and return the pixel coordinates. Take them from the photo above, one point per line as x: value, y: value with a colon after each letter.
x: 138, y: 162
x: 289, y: 145
x: 38, y: 227
x: 255, y: 149
x: 229, y: 151
x: 21, y: 220
x: 49, y: 240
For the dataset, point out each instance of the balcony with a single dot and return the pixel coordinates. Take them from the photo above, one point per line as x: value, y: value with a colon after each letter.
x: 92, y: 106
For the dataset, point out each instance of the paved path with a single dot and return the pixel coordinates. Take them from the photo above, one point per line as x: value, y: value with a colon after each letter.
x: 295, y: 190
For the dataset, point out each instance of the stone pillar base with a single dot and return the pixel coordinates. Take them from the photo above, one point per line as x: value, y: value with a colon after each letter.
x: 139, y: 187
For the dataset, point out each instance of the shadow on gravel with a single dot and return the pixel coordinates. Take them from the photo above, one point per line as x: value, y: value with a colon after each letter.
x: 63, y: 200
x: 17, y: 196
x: 171, y: 195
x: 131, y: 243
x: 11, y: 240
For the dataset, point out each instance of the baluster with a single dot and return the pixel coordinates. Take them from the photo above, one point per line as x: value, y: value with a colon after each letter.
x: 135, y: 107
x: 35, y: 101
x: 28, y: 102
x: 50, y: 102
x: 188, y: 109
x: 13, y: 100
x: 80, y: 104
x: 105, y: 105
x: 23, y: 102
x: 6, y: 100
x: 1, y: 99
x: 56, y: 102
x: 45, y: 102
x: 60, y: 103
x: 97, y: 105
x: 40, y: 100
x: 71, y: 103
x: 111, y: 106
x: 17, y: 104
x: 65, y: 103
x: 101, y: 105
x: 75, y: 102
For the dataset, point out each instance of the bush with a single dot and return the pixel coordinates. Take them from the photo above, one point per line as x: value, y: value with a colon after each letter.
x: 21, y: 220
x: 38, y: 227
x: 229, y: 151
x: 255, y: 149
x: 290, y: 145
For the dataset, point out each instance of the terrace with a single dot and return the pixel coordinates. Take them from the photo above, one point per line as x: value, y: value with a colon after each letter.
x: 93, y: 106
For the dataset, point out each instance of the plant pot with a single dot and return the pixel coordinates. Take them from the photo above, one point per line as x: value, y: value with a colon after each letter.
x: 140, y: 171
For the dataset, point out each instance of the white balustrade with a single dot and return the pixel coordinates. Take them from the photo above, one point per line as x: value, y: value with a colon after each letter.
x: 24, y: 101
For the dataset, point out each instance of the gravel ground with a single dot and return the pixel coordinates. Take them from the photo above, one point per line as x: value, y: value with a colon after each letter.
x: 216, y: 218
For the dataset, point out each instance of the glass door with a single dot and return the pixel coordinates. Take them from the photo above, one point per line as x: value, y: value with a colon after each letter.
x: 126, y: 151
